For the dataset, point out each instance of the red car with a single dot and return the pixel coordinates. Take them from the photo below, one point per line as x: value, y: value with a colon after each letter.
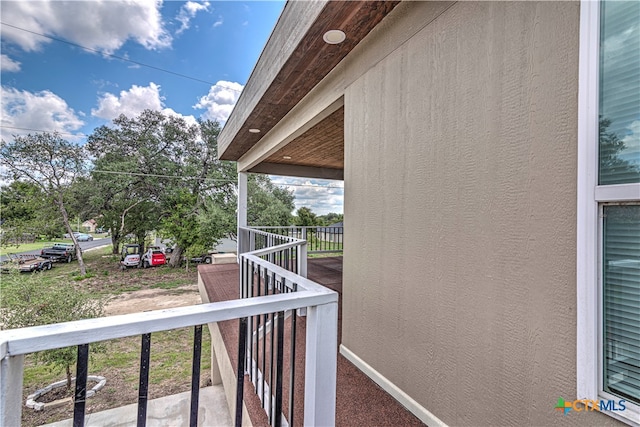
x: 153, y: 257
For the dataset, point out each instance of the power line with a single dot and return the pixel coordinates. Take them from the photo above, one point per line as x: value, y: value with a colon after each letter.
x: 82, y: 135
x: 230, y: 181
x: 163, y: 176
x: 116, y: 56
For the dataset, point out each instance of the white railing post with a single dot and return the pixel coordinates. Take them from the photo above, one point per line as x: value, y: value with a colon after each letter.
x: 251, y: 237
x: 321, y: 365
x: 11, y: 368
x: 302, y: 260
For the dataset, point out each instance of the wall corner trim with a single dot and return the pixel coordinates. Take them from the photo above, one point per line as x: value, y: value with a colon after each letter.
x: 412, y: 406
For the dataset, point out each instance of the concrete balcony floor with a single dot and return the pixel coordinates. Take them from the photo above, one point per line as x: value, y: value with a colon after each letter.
x: 164, y: 411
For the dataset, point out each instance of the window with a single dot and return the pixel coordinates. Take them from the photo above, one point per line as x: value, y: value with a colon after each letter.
x: 621, y: 300
x: 608, y: 228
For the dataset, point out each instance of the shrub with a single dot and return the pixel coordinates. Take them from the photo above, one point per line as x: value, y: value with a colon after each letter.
x: 27, y: 301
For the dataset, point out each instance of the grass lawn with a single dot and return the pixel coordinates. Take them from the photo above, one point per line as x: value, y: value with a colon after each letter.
x: 119, y: 360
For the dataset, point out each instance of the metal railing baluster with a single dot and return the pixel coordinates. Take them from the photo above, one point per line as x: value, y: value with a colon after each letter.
x: 292, y: 362
x: 80, y: 398
x: 264, y: 341
x: 271, y: 367
x: 143, y: 387
x: 250, y: 348
x: 279, y: 367
x: 195, y: 375
x: 242, y: 347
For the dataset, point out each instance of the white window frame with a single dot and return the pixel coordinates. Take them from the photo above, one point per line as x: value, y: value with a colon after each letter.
x: 591, y: 198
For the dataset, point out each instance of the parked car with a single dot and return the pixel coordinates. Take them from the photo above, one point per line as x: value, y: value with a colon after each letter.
x: 82, y: 237
x: 68, y: 236
x: 59, y: 252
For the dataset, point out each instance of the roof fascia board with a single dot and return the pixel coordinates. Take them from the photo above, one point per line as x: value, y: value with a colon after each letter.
x: 292, y: 26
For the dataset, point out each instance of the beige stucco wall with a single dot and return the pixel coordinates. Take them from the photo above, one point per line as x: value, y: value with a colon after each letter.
x: 460, y: 212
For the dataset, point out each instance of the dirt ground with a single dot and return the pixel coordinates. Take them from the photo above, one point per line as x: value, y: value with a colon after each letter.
x: 152, y: 299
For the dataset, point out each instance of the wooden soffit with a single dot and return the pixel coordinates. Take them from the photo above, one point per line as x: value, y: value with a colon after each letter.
x: 295, y: 60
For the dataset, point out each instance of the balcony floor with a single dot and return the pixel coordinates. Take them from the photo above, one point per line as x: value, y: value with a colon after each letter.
x: 360, y: 401
x: 165, y: 411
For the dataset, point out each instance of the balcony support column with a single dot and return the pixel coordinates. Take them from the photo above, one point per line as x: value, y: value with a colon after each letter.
x: 11, y: 370
x: 321, y: 365
x: 242, y: 211
x: 242, y: 199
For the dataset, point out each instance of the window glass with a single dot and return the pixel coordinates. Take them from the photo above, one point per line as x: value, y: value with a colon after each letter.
x: 621, y: 310
x: 619, y: 92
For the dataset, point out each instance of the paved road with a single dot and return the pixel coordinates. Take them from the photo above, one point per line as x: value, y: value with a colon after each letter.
x: 83, y: 245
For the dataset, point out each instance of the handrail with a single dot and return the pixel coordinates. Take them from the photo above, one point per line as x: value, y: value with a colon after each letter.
x: 14, y: 342
x: 278, y: 249
x: 276, y: 264
x: 320, y: 238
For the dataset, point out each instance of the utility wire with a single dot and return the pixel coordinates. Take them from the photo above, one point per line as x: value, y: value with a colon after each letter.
x: 81, y: 135
x: 115, y: 56
x: 162, y: 176
x: 230, y: 181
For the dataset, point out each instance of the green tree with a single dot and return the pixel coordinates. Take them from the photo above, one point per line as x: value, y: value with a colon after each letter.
x: 268, y: 204
x: 26, y: 301
x: 210, y: 182
x: 26, y: 212
x: 135, y: 160
x: 51, y: 163
x: 330, y: 218
x: 305, y: 217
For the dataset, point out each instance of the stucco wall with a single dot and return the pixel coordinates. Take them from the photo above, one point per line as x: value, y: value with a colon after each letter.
x: 460, y: 211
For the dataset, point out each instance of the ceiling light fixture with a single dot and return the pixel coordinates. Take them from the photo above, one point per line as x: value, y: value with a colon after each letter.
x: 254, y: 130
x: 334, y: 36
x: 286, y: 157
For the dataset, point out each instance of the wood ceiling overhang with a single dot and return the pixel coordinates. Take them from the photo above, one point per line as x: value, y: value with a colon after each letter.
x: 309, y: 62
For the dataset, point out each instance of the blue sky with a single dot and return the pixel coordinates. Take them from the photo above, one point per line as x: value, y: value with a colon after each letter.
x: 61, y: 68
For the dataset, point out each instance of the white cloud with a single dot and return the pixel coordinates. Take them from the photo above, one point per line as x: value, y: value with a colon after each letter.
x: 99, y: 24
x: 134, y: 101
x: 190, y: 120
x: 129, y: 102
x: 8, y: 64
x: 319, y: 195
x: 219, y: 22
x: 25, y: 112
x: 188, y: 11
x: 220, y: 100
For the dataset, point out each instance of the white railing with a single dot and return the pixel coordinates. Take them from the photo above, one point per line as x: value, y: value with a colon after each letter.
x: 276, y: 264
x: 321, y: 342
x: 320, y: 238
